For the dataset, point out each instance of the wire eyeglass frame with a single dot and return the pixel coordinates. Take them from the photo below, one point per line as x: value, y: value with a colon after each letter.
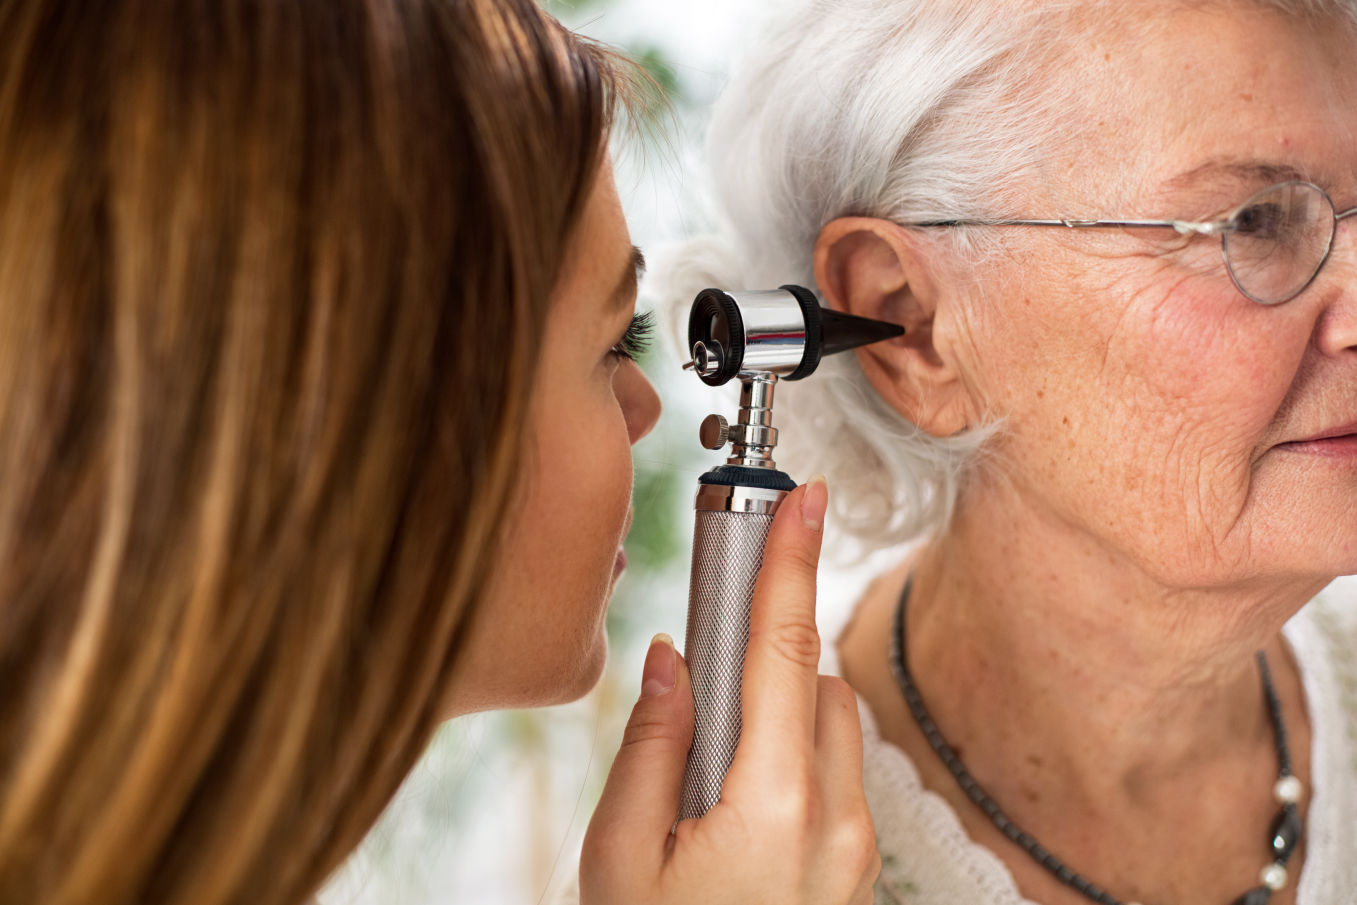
x: 1223, y: 227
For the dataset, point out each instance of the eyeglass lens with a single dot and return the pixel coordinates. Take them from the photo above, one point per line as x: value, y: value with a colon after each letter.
x: 1277, y: 241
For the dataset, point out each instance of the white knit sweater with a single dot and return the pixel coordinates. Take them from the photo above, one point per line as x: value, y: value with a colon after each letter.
x: 927, y: 858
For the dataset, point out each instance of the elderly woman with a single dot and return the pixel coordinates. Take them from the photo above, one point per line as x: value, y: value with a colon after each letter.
x: 1122, y: 421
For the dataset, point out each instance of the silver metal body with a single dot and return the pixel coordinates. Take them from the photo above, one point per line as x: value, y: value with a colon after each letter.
x: 731, y: 528
x: 753, y: 437
x: 774, y: 331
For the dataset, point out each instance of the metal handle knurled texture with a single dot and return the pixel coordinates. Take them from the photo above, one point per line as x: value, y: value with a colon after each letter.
x: 727, y: 554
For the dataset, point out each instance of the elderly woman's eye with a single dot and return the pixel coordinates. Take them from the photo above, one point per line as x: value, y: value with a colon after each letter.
x: 1261, y: 221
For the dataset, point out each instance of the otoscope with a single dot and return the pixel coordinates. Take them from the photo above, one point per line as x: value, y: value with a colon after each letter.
x: 758, y: 337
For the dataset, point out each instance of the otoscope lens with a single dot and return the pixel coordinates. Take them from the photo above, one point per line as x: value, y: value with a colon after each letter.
x: 719, y: 330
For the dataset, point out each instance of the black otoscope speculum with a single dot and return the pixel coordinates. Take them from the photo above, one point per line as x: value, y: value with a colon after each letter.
x: 757, y: 337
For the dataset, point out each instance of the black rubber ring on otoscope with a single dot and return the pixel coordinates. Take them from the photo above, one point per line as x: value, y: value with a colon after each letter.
x: 745, y: 476
x: 810, y: 313
x: 714, y: 302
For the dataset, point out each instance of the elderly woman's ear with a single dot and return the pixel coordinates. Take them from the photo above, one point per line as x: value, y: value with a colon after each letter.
x: 875, y: 268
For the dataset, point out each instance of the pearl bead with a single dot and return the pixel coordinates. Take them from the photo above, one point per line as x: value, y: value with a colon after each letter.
x: 1287, y: 790
x: 1273, y: 877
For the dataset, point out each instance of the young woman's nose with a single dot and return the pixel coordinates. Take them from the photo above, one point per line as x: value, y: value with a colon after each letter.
x: 640, y: 403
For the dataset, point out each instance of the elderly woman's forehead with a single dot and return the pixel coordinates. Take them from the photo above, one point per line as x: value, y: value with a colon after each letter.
x: 1237, y: 93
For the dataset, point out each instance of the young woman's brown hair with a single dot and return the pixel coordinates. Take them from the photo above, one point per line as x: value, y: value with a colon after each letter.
x: 272, y: 280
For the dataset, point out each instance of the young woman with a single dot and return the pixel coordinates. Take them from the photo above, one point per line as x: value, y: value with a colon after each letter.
x: 315, y: 414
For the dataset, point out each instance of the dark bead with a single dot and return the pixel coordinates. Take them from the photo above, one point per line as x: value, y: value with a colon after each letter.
x: 1285, y: 832
x: 1257, y: 896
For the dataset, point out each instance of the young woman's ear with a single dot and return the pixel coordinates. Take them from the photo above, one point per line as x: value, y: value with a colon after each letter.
x: 875, y: 268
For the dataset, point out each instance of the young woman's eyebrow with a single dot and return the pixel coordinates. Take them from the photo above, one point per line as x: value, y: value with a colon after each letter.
x: 625, y: 291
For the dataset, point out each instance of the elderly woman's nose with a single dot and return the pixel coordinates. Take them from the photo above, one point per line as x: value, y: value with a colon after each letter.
x: 1337, y: 328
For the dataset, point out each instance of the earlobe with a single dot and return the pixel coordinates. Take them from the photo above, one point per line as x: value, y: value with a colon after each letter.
x: 875, y: 268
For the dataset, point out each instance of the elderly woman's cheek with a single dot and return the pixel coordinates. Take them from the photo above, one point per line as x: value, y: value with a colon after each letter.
x: 1205, y: 374
x: 1209, y: 358
x: 1157, y: 401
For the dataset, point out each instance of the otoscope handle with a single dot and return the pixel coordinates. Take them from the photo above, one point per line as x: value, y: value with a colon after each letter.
x: 728, y: 539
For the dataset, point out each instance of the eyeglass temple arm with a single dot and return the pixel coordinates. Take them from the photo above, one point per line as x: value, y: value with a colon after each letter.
x: 1183, y: 227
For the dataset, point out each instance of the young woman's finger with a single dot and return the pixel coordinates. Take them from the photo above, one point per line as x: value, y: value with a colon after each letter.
x: 782, y: 659
x: 838, y: 736
x: 849, y: 835
x: 641, y: 798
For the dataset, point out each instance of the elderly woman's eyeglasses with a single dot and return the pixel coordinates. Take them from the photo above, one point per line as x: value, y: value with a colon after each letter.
x: 1274, y: 244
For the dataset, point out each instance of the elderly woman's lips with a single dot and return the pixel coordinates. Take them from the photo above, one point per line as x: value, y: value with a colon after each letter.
x: 1340, y: 442
x: 1346, y: 430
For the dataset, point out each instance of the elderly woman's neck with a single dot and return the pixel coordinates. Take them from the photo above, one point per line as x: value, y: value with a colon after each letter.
x: 1077, y: 651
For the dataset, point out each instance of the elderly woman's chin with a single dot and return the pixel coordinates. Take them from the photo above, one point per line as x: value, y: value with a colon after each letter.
x: 1318, y: 543
x: 1294, y: 532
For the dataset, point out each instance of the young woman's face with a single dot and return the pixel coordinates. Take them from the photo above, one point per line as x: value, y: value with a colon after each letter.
x: 538, y: 637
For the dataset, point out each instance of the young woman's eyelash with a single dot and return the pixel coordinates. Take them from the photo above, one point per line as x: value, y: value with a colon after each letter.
x: 636, y: 341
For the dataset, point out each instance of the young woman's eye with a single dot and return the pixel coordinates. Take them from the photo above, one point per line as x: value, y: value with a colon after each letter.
x: 636, y: 341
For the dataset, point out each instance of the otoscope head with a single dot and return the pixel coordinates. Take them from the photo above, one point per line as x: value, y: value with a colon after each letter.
x: 783, y: 332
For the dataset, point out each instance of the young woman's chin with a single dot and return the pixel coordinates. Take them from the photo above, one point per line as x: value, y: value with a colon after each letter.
x: 574, y: 679
x: 552, y: 673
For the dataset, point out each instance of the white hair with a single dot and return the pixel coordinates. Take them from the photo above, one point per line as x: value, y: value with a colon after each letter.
x: 907, y: 110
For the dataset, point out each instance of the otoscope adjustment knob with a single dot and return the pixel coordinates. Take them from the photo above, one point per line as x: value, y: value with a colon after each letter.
x: 715, y: 432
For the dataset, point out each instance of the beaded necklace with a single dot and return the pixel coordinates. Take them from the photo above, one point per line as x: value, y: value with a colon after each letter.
x: 1286, y: 827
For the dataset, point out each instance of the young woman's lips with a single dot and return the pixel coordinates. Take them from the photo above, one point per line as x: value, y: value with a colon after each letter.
x: 620, y: 564
x: 1340, y: 442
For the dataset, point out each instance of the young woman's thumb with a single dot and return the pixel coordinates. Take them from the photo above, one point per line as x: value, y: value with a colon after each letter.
x: 641, y: 798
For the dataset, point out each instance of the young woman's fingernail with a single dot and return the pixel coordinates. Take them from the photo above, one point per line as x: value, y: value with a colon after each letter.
x: 658, y: 676
x: 814, y: 502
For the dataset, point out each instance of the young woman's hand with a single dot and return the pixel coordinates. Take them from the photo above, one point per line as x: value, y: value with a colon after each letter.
x: 792, y: 826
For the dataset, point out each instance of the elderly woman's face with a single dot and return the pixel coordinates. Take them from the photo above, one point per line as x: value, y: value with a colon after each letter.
x: 1148, y: 402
